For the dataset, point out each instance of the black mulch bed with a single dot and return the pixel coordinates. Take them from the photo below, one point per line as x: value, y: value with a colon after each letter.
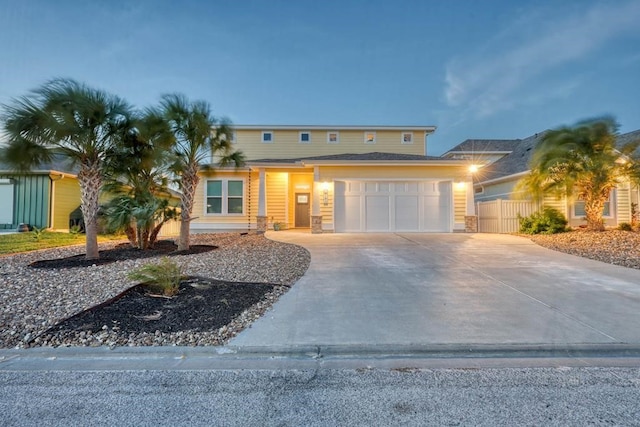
x: 121, y: 252
x: 202, y: 304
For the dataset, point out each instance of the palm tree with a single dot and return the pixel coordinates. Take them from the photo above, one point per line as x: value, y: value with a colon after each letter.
x: 199, y: 137
x: 138, y: 175
x: 76, y: 121
x: 581, y: 162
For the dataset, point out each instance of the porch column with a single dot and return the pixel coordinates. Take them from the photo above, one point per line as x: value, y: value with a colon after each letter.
x: 261, y: 219
x: 316, y: 217
x: 470, y: 218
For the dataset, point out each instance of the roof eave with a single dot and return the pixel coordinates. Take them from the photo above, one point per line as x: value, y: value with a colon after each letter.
x: 503, y: 178
x: 428, y: 129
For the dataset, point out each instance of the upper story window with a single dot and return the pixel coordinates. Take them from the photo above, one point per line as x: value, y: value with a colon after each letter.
x: 370, y: 137
x: 304, y: 137
x: 225, y: 196
x: 267, y: 136
x: 333, y: 137
x: 231, y: 135
x: 407, y: 138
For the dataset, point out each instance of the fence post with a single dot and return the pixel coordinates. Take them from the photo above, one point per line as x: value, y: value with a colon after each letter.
x: 499, y: 208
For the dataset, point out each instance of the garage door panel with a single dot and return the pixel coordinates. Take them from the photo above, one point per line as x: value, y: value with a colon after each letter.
x: 380, y: 206
x: 352, y: 206
x: 407, y: 213
x: 377, y: 213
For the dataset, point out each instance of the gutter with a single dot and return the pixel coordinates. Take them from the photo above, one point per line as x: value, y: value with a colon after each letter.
x: 504, y: 178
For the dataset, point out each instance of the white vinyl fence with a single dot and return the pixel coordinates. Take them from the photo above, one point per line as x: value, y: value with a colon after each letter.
x: 501, y: 216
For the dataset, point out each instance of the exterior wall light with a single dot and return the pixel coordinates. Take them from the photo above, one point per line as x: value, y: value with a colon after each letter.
x: 473, y: 168
x: 325, y: 193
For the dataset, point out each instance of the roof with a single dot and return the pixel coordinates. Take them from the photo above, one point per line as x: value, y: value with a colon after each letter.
x: 485, y: 146
x: 58, y: 163
x: 355, y: 157
x: 626, y: 138
x: 515, y: 162
x: 425, y: 128
x: 518, y: 160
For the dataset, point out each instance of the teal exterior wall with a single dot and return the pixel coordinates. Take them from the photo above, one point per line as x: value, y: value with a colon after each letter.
x: 31, y: 200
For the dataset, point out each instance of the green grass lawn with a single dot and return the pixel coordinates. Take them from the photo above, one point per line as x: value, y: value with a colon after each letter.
x: 28, y: 241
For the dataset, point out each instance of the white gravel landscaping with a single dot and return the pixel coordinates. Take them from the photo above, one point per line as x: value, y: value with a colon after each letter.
x: 32, y: 300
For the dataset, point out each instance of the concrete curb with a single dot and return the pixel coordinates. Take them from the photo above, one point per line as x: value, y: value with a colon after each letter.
x: 319, y: 357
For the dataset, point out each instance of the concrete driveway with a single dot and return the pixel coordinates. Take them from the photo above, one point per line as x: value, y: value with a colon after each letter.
x: 426, y: 289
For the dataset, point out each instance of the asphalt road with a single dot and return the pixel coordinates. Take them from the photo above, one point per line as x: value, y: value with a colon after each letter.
x: 322, y: 397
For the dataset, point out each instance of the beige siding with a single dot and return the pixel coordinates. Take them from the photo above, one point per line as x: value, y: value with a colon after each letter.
x: 327, y: 210
x: 203, y: 220
x: 66, y: 198
x: 329, y: 173
x: 623, y: 203
x: 459, y: 202
x: 285, y: 143
x: 277, y: 204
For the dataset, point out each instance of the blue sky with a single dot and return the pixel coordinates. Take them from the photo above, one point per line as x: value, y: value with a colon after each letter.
x: 490, y: 69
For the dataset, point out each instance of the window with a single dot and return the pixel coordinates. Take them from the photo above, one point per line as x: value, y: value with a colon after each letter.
x: 225, y: 197
x: 578, y: 208
x: 369, y: 137
x: 407, y: 138
x: 304, y: 137
x: 233, y: 136
x: 267, y: 136
x: 333, y: 137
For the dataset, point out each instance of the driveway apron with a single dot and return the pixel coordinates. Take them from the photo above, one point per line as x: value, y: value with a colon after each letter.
x: 423, y: 289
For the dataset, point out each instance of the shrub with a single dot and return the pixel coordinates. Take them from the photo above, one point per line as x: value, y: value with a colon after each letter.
x: 163, y: 277
x: 547, y: 221
x: 625, y: 226
x: 37, y: 233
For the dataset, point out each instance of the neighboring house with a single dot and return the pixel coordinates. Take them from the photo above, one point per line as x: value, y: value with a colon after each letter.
x: 481, y: 151
x: 497, y: 181
x: 336, y: 179
x: 45, y: 197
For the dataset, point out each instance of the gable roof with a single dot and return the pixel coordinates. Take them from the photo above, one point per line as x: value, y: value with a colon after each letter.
x: 354, y: 157
x: 484, y: 146
x: 515, y: 162
x: 518, y: 160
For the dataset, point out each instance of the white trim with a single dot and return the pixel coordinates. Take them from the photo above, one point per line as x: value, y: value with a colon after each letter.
x: 503, y: 178
x: 402, y: 141
x: 366, y: 136
x: 612, y: 207
x: 221, y: 226
x: 225, y: 197
x: 337, y: 141
x: 300, y: 137
x: 428, y: 128
x: 264, y: 132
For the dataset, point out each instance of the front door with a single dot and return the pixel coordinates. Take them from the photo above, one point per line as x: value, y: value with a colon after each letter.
x: 303, y: 210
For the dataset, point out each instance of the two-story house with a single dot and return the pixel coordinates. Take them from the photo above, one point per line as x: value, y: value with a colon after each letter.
x: 336, y: 179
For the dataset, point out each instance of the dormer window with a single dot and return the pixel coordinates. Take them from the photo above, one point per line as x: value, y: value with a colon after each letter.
x: 407, y: 138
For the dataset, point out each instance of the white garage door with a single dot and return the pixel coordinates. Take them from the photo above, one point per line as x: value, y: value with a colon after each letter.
x: 380, y: 206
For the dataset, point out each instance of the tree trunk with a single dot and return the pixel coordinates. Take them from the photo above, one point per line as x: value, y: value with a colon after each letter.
x: 189, y: 184
x: 593, y: 209
x: 90, y: 180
